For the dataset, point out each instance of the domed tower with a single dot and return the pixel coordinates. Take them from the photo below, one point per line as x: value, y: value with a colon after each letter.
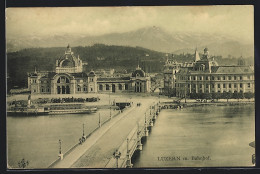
x: 206, y: 54
x: 68, y: 63
x: 92, y: 82
x: 141, y: 83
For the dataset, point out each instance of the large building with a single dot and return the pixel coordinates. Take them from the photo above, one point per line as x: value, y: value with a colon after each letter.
x: 206, y: 76
x: 69, y: 78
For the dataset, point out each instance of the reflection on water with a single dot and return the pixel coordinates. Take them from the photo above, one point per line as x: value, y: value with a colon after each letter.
x: 200, y: 136
x: 36, y: 138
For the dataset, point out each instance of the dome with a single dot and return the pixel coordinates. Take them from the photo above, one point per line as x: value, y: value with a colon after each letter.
x: 138, y: 73
x: 92, y: 73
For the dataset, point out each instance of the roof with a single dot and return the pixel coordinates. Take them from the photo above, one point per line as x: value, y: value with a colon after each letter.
x: 232, y: 69
x: 113, y: 79
x: 138, y: 72
x: 82, y: 74
x: 92, y: 74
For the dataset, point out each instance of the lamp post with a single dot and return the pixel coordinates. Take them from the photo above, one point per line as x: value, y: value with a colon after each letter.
x: 110, y: 114
x: 99, y: 120
x: 83, y: 134
x: 60, y: 154
x: 117, y: 155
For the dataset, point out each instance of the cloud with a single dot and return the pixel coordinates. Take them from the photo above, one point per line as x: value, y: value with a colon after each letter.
x: 232, y: 20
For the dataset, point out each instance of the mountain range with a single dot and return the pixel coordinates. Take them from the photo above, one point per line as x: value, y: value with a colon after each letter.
x: 154, y: 38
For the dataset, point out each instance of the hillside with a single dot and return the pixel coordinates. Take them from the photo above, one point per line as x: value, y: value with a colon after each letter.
x: 154, y: 38
x: 97, y: 56
x: 120, y: 58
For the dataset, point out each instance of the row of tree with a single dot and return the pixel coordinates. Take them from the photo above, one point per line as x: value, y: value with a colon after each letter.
x: 224, y: 95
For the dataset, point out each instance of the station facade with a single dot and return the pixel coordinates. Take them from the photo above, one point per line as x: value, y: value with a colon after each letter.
x: 69, y: 78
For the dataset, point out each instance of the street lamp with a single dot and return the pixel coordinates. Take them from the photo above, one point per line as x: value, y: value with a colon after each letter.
x: 117, y: 155
x: 83, y: 130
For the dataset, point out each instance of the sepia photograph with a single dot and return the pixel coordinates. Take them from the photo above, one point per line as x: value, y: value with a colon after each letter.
x: 130, y: 87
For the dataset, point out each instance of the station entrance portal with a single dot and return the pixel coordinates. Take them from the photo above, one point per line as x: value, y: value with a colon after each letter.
x: 63, y: 85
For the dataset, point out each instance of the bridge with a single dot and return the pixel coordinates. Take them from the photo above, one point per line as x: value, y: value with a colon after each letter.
x: 113, y: 144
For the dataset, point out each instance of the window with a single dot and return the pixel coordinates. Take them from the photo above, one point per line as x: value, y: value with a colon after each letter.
x: 100, y: 87
x: 79, y: 88
x: 218, y: 78
x: 218, y: 85
x: 235, y: 85
x: 241, y: 85
x: 120, y: 87
x: 235, y: 77
x: 212, y: 78
x: 194, y: 77
x: 212, y: 86
x: 224, y: 85
x: 107, y: 87
x: 248, y: 85
x: 229, y: 85
x: 200, y: 77
x: 85, y: 88
x: 241, y: 78
x: 42, y: 89
x: 207, y: 85
x: 207, y: 78
x: 126, y: 86
x: 229, y: 77
x: 200, y: 85
x: 224, y: 78
x: 91, y: 89
x: 48, y: 89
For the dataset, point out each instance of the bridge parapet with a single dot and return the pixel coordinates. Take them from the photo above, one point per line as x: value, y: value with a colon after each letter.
x: 133, y: 140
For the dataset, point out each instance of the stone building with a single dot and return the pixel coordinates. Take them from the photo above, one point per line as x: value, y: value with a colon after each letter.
x: 206, y: 76
x: 69, y: 78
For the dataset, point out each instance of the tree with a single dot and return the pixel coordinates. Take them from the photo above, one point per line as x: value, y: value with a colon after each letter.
x: 235, y: 95
x: 216, y: 95
x: 249, y: 95
x: 208, y: 96
x: 227, y: 95
x: 240, y: 95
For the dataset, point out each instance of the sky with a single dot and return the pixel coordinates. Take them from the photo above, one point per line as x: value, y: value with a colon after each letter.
x: 235, y: 21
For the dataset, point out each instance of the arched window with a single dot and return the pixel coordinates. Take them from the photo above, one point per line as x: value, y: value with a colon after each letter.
x: 79, y: 88
x: 120, y: 87
x: 100, y: 87
x: 84, y: 88
x: 63, y: 80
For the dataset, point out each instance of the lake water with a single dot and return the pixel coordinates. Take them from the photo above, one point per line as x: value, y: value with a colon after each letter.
x: 181, y: 138
x: 36, y: 139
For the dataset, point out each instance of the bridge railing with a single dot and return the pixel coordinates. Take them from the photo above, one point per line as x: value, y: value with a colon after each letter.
x: 86, y: 136
x: 129, y: 145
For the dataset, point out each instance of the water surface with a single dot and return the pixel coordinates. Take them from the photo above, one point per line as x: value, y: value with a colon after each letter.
x: 221, y: 134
